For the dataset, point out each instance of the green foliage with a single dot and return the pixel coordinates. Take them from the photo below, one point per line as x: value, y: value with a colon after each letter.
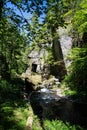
x: 54, y: 15
x: 13, y: 110
x: 3, y: 87
x: 12, y: 118
x: 38, y: 33
x: 8, y: 90
x: 12, y: 45
x: 80, y: 17
x: 53, y: 125
x: 50, y: 58
x: 36, y: 124
x: 59, y: 125
x: 76, y: 79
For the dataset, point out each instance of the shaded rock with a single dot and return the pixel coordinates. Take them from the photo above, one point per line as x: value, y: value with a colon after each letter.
x: 48, y: 105
x: 29, y: 86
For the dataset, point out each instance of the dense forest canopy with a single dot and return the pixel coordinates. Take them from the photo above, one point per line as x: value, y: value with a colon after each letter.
x: 36, y: 24
x: 39, y: 27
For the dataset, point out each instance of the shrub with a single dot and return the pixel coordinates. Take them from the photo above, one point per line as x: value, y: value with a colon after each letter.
x: 60, y: 125
x: 76, y: 79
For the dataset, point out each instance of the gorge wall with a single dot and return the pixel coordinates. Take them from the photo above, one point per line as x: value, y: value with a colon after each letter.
x: 66, y: 43
x: 61, y: 48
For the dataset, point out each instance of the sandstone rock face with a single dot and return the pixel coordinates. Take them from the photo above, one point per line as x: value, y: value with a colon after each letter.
x: 36, y: 60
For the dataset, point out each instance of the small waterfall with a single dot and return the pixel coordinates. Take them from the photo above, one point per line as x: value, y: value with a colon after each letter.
x: 66, y: 43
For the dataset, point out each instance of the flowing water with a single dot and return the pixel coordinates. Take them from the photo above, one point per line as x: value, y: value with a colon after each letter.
x: 47, y: 105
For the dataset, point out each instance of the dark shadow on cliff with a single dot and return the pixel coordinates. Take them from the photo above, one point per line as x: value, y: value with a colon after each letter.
x: 58, y: 68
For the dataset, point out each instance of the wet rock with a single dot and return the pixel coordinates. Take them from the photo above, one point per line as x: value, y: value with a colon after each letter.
x: 48, y: 105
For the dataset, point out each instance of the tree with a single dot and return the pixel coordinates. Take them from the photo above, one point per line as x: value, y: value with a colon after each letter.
x: 80, y: 17
x: 54, y: 17
x: 12, y: 44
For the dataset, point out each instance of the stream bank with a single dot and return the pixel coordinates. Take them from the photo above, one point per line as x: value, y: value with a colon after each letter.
x: 49, y: 103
